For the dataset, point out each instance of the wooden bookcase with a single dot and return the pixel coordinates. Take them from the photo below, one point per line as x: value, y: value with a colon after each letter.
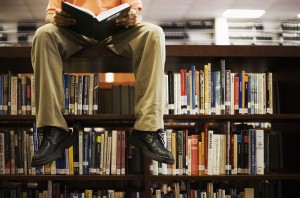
x: 282, y: 61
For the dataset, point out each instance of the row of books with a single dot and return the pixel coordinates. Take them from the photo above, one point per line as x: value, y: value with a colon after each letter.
x: 54, y: 189
x: 95, y: 151
x: 17, y: 95
x: 226, y: 150
x: 210, y: 189
x: 217, y: 90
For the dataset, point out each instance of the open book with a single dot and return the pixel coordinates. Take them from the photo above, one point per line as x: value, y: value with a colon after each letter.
x: 97, y: 27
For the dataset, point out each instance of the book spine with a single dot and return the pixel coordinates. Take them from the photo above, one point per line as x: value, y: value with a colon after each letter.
x: 210, y: 153
x: 183, y: 91
x: 228, y: 148
x: 72, y: 95
x: 96, y: 94
x: 260, y: 165
x: 80, y: 95
x: 123, y: 154
x: 2, y: 153
x: 223, y: 86
x: 85, y: 157
x: 194, y: 155
x: 180, y: 152
x: 85, y: 93
x: 114, y: 145
x: 67, y: 92
x: 32, y: 87
x: 171, y: 92
x: 91, y: 94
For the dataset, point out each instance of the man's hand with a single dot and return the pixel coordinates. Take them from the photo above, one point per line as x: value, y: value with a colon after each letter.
x: 130, y: 19
x: 61, y: 18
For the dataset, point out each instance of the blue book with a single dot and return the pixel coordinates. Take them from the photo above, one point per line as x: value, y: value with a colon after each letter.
x: 66, y: 85
x: 188, y: 93
x: 193, y: 90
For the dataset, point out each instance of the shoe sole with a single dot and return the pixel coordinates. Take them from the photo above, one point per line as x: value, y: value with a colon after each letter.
x: 63, y: 145
x: 138, y: 143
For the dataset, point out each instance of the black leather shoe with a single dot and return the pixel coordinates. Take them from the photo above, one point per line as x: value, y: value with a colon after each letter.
x: 152, y: 145
x: 55, y: 141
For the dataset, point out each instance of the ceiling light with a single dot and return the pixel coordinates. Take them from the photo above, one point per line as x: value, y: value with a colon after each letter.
x: 298, y: 15
x: 240, y: 13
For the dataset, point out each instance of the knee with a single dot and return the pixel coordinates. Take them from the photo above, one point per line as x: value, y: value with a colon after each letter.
x: 154, y: 30
x: 44, y: 32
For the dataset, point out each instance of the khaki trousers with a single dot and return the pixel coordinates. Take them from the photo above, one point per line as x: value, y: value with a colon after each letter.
x: 144, y: 44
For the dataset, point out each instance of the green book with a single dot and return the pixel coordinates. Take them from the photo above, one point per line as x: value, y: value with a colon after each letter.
x: 97, y: 27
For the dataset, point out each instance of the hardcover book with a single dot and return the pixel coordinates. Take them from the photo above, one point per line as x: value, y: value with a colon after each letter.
x: 97, y: 27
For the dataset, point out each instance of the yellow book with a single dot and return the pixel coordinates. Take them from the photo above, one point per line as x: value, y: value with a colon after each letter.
x: 88, y: 193
x: 174, y: 170
x: 71, y: 160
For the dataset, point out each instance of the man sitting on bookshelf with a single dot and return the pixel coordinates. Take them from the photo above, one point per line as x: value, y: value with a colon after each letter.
x: 142, y: 42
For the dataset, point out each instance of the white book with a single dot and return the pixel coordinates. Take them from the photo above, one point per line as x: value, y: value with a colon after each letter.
x: 260, y: 166
x: 154, y: 167
x: 175, y: 94
x: 216, y: 153
x: 80, y: 151
x: 164, y: 166
x: 114, y: 152
x: 14, y: 95
x: 210, y: 152
x: 166, y: 91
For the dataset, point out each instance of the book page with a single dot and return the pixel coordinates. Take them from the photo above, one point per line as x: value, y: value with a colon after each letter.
x: 82, y: 9
x: 112, y: 12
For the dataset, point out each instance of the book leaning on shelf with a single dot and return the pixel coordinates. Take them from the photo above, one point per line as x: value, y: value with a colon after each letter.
x: 97, y: 27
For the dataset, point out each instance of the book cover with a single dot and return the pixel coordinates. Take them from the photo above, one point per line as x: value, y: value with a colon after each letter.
x: 97, y: 27
x: 194, y: 155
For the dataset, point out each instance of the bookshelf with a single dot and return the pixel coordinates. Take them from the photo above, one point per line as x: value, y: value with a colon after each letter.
x: 283, y: 61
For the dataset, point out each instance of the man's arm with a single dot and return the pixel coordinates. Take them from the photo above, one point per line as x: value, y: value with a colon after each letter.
x: 131, y: 19
x: 60, y: 18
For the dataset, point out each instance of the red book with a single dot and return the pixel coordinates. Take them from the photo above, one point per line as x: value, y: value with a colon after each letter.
x: 195, y: 155
x: 183, y: 91
x: 236, y: 94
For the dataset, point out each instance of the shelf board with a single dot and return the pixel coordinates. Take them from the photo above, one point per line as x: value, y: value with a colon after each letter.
x: 121, y: 118
x: 72, y: 177
x: 226, y: 177
x: 175, y: 50
x: 141, y: 177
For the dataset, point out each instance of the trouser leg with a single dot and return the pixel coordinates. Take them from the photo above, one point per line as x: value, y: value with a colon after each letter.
x: 145, y: 45
x: 51, y: 46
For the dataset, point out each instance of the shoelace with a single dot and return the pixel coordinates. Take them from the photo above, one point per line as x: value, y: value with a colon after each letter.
x: 159, y: 136
x: 47, y: 136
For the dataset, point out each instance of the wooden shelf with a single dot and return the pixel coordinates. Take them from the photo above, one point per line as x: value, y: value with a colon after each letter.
x: 226, y: 177
x: 115, y: 117
x: 175, y: 50
x: 99, y: 59
x: 72, y: 177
